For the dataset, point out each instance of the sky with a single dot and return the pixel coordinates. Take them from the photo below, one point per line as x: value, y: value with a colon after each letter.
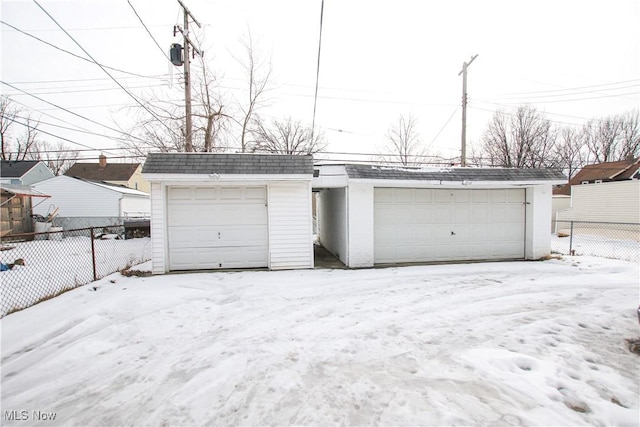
x: 571, y: 60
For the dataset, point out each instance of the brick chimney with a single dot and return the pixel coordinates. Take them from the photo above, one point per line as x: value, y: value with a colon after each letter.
x: 102, y: 161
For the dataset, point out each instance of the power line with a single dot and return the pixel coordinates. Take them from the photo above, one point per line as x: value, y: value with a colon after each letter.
x: 444, y: 126
x: 148, y: 32
x: 103, y: 69
x: 71, y: 53
x: 83, y: 80
x: 71, y: 112
x: 573, y: 99
x: 567, y: 89
x: 51, y: 134
x: 315, y: 97
x: 88, y: 90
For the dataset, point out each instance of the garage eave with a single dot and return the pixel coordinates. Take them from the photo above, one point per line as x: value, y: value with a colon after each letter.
x: 469, y: 184
x: 222, y: 178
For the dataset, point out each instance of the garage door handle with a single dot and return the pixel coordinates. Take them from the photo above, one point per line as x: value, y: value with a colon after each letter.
x: 453, y: 234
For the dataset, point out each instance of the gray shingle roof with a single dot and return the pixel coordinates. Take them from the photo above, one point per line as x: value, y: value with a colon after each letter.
x: 16, y: 169
x: 224, y: 164
x: 452, y: 174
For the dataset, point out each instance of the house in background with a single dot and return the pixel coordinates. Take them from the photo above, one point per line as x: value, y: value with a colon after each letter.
x: 24, y: 172
x: 82, y: 203
x: 374, y: 215
x: 219, y: 211
x: 605, y: 192
x: 622, y: 170
x: 125, y: 174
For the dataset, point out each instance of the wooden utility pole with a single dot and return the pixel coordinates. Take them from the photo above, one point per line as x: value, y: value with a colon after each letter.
x: 463, y: 154
x: 188, y: 131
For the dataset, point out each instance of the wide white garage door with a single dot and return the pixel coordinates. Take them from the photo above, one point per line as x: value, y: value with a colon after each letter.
x: 421, y: 225
x: 217, y: 227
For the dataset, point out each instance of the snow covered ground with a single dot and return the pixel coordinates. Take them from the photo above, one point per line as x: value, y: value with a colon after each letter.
x: 522, y: 343
x: 591, y: 243
x: 54, y: 265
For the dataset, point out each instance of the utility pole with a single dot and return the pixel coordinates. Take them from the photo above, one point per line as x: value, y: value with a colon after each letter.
x: 463, y: 155
x: 188, y: 131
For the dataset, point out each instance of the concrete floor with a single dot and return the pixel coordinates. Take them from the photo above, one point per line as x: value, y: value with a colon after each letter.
x: 325, y: 259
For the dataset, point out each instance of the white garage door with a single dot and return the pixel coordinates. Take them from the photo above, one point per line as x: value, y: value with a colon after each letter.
x: 421, y: 225
x: 217, y: 227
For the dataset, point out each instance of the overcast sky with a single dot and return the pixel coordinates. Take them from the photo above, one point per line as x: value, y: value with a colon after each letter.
x: 573, y: 60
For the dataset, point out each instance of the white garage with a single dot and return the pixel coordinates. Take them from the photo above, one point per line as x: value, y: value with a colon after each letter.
x: 372, y: 215
x: 225, y: 211
x: 424, y: 224
x: 231, y: 231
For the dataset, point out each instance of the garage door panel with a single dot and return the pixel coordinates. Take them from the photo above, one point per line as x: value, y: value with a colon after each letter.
x: 441, y: 196
x: 486, y: 224
x: 423, y: 195
x: 442, y: 214
x: 217, y: 227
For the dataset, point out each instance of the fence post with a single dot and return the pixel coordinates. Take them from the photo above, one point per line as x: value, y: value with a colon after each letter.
x: 571, y: 240
x: 93, y: 255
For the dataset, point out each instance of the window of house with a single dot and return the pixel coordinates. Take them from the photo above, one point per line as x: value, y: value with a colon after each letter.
x: 598, y: 181
x: 584, y: 182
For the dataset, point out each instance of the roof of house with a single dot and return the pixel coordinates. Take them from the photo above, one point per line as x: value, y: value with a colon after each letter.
x: 227, y: 164
x: 109, y: 186
x: 110, y: 172
x: 452, y: 174
x: 620, y: 170
x: 16, y: 169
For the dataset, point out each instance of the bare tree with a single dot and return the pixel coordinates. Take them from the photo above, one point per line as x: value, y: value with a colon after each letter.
x: 630, y: 135
x: 58, y: 157
x: 163, y: 130
x: 601, y: 137
x: 20, y: 146
x: 7, y: 117
x: 286, y: 137
x: 569, y: 151
x: 523, y: 140
x: 258, y: 72
x: 403, y: 143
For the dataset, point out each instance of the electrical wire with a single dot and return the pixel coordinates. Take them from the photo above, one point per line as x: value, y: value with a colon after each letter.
x: 71, y: 112
x: 27, y: 125
x: 73, y: 54
x: 315, y: 97
x: 105, y: 71
x: 87, y: 90
x: 148, y: 32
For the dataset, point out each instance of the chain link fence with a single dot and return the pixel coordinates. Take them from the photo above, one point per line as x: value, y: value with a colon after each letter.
x: 619, y: 240
x: 40, y: 266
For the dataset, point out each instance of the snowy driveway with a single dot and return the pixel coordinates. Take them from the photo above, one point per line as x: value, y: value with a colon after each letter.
x: 533, y: 343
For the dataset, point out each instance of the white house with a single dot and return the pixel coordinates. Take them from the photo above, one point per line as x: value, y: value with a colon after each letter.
x: 213, y: 211
x: 614, y: 202
x: 370, y: 215
x: 83, y: 203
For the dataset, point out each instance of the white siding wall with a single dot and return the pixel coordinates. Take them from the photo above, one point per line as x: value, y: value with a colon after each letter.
x: 559, y: 202
x: 538, y: 214
x: 607, y: 202
x: 135, y: 206
x: 76, y: 198
x: 332, y: 221
x: 290, y: 225
x: 360, y: 225
x: 159, y: 264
